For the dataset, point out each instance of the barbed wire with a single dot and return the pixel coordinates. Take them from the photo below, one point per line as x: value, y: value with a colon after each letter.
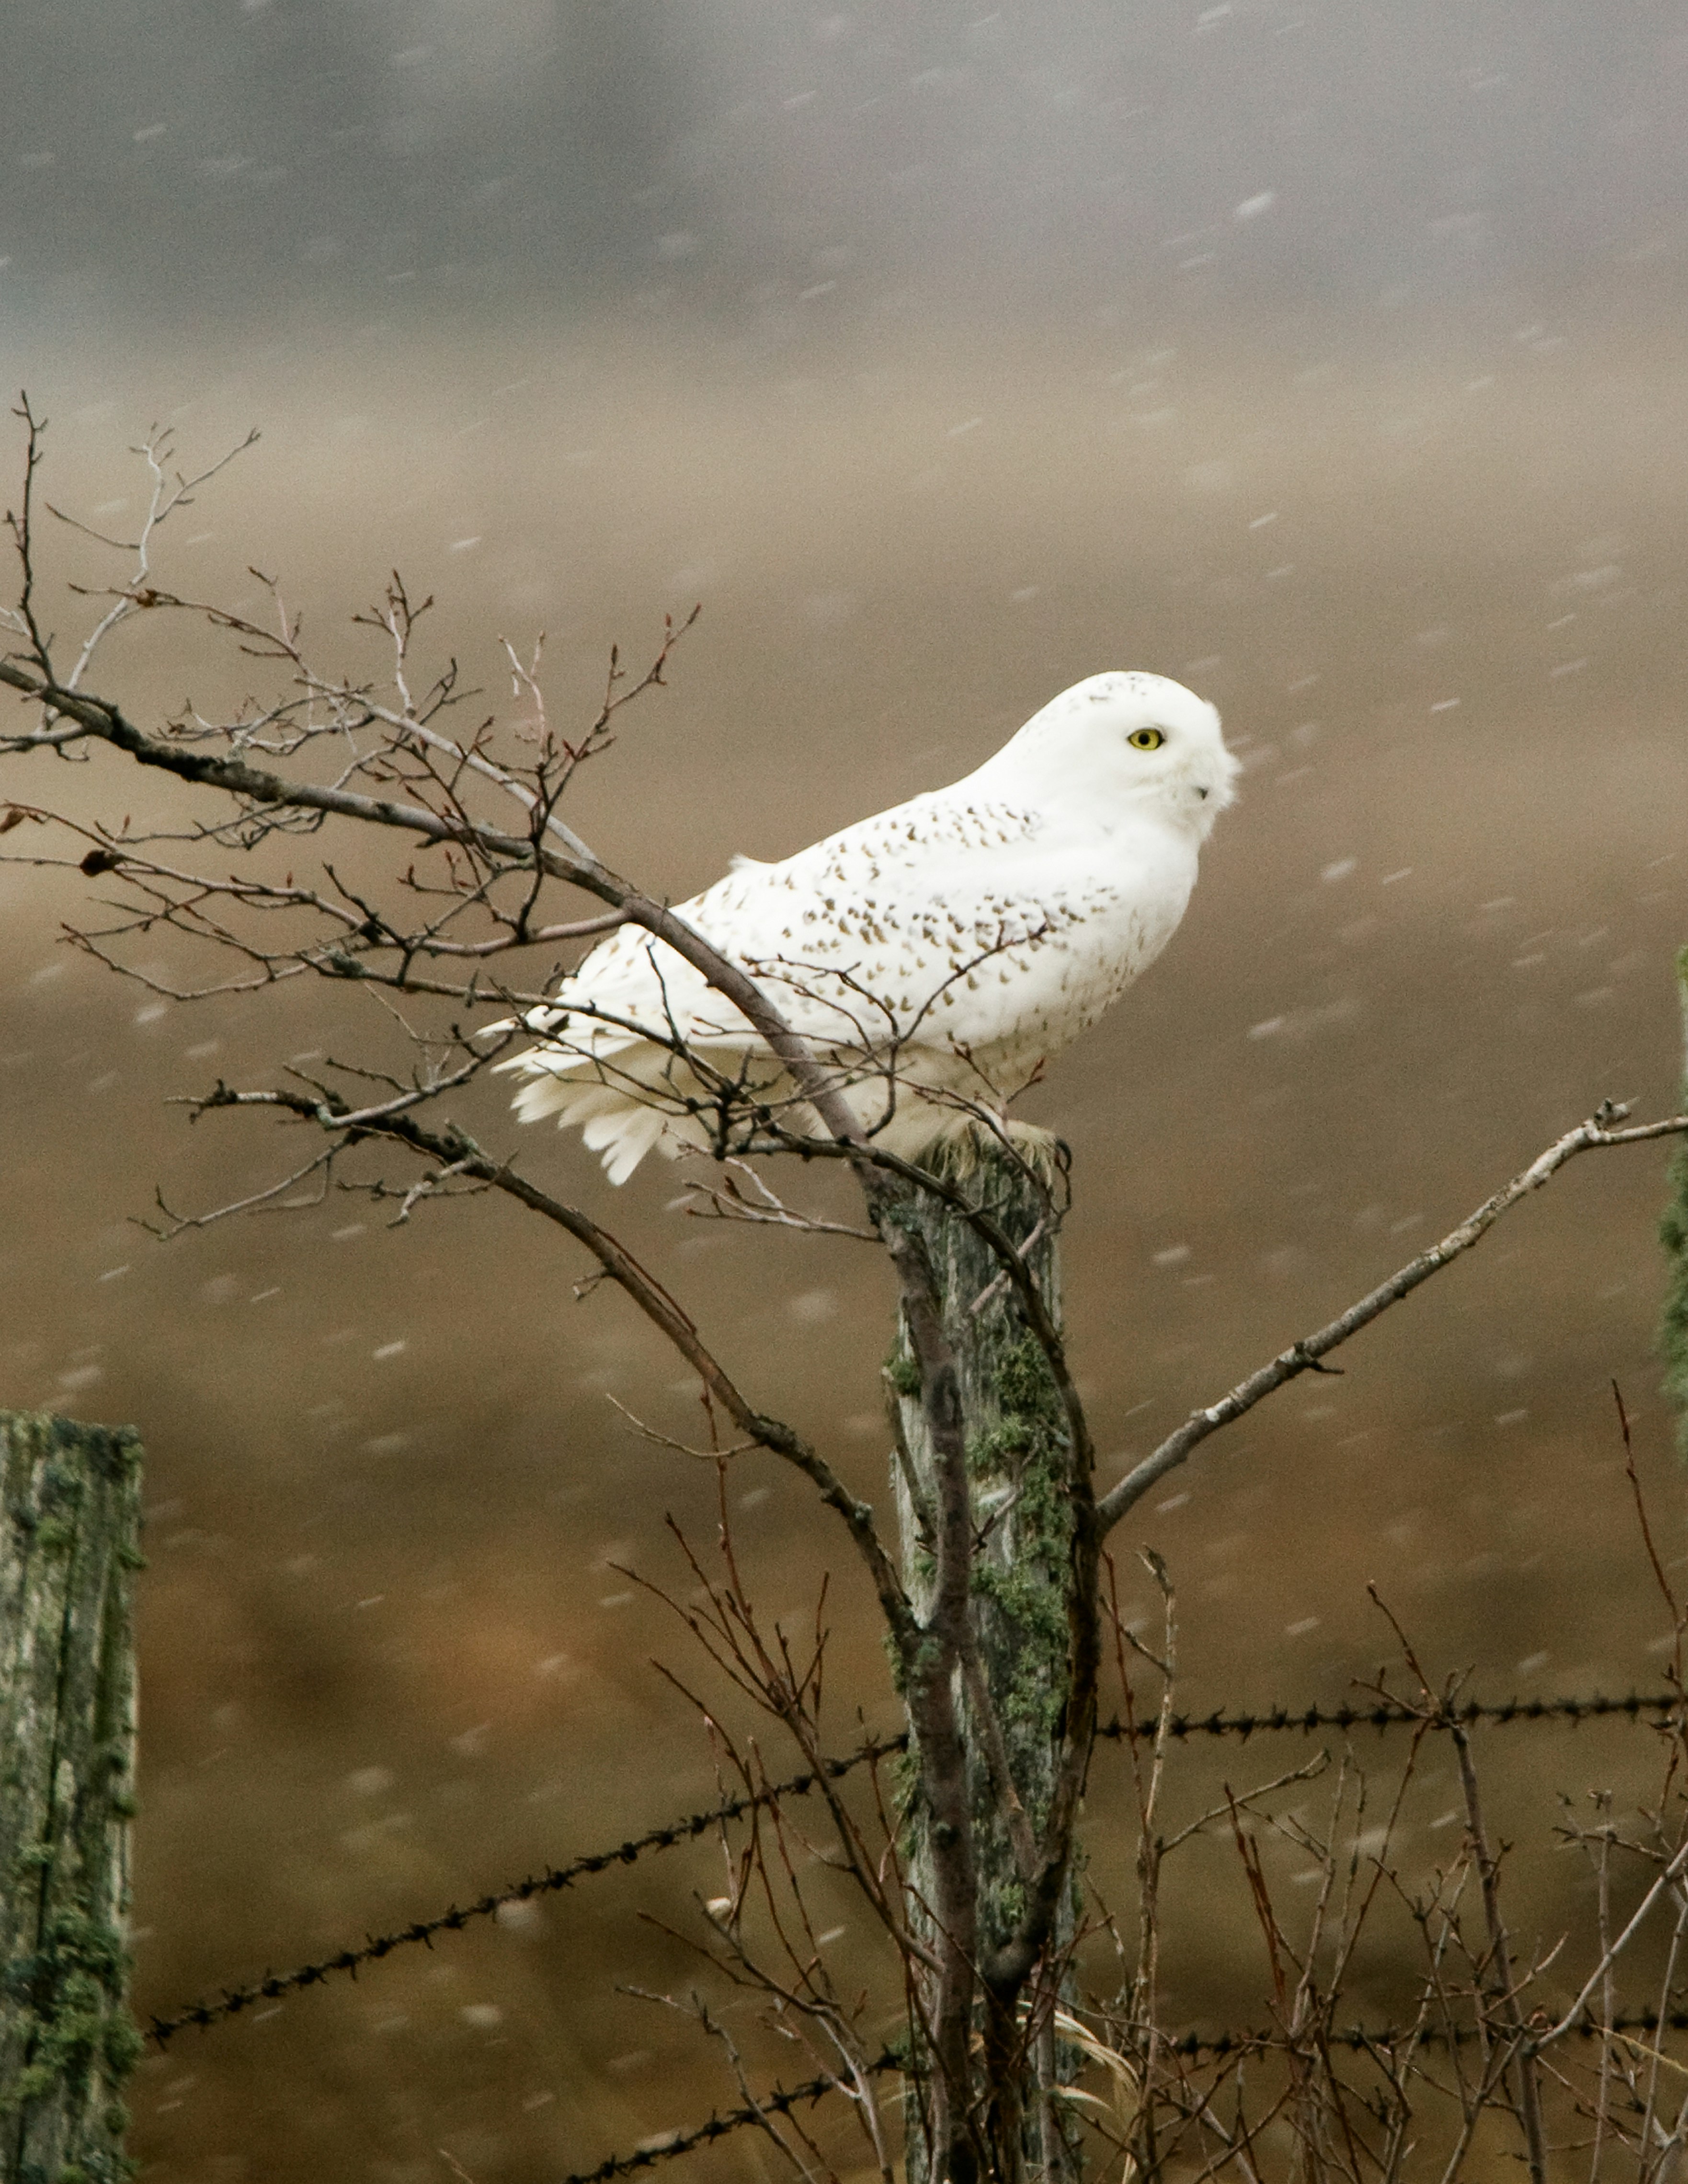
x: 1357, y: 2039
x: 1391, y: 1714
x: 1382, y: 1715
x: 232, y: 2000
x: 780, y: 2101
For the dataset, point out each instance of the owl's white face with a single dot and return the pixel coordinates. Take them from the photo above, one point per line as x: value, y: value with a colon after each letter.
x: 1131, y: 738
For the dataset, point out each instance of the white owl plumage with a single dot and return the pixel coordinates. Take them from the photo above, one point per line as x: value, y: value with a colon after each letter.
x: 935, y: 956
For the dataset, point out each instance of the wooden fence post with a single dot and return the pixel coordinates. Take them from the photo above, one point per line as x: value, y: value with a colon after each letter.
x: 69, y: 1531
x: 1018, y: 1454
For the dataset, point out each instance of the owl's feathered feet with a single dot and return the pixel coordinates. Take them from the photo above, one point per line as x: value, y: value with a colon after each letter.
x: 968, y: 1146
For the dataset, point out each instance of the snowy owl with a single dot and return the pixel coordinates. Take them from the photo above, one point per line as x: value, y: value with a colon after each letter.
x: 935, y: 956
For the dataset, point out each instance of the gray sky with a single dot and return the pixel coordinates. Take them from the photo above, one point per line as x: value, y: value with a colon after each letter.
x: 265, y: 161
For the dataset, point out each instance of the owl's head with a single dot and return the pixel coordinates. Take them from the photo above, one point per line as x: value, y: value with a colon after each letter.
x: 1132, y: 738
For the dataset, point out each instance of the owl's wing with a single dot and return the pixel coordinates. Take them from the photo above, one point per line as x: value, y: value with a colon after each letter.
x: 853, y: 937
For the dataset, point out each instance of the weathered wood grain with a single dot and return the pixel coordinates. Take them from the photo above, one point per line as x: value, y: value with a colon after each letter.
x: 69, y: 1550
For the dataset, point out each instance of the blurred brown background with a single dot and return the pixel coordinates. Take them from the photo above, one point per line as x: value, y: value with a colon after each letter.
x: 1327, y: 358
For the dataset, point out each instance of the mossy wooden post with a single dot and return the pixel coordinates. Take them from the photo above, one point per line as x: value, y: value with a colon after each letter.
x: 1017, y: 1451
x: 69, y: 1549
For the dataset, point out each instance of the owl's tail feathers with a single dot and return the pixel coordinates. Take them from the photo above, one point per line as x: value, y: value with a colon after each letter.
x: 625, y: 1136
x: 612, y: 1118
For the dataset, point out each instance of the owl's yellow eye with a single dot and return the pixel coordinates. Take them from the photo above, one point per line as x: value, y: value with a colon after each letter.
x: 1145, y: 738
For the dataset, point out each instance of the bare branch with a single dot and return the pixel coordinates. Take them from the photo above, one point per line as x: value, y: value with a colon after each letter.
x: 1638, y: 1918
x: 1304, y: 1356
x: 680, y: 1447
x: 753, y: 1203
x: 260, y: 1201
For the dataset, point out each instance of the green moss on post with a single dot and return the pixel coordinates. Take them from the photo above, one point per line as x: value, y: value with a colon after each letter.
x: 1673, y: 1232
x: 1018, y: 1458
x: 69, y: 1549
